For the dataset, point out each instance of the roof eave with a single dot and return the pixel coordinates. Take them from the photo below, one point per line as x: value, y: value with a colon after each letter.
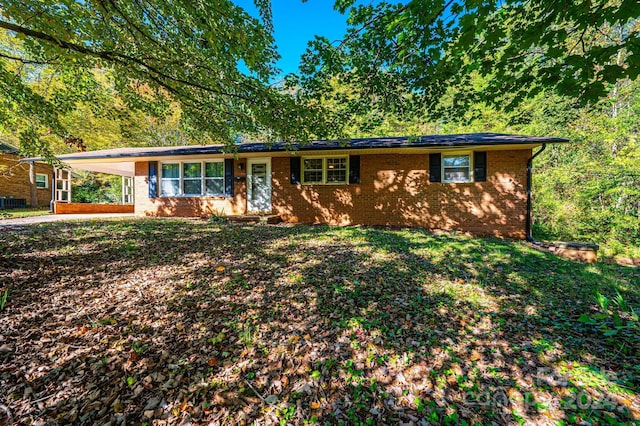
x: 252, y: 148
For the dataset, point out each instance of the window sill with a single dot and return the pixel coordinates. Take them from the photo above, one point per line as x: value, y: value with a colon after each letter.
x: 221, y: 197
x: 324, y: 184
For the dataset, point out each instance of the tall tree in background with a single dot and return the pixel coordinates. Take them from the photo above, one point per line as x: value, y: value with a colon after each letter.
x: 211, y: 57
x: 404, y: 57
x: 215, y: 61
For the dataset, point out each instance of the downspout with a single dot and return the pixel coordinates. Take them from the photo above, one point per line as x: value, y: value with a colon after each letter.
x: 528, y: 235
x: 53, y: 190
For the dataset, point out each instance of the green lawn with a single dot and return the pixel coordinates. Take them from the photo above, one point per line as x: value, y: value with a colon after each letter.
x: 173, y: 320
x: 17, y: 213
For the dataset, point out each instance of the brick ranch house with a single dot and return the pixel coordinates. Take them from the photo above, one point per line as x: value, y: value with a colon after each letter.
x: 476, y: 183
x: 15, y: 182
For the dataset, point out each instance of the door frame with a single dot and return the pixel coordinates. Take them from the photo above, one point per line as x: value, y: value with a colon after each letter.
x: 250, y: 162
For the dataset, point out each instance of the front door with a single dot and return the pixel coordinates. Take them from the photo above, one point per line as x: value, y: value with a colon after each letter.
x: 259, y: 184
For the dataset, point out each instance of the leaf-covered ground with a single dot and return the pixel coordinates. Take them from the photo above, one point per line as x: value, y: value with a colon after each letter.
x: 186, y: 322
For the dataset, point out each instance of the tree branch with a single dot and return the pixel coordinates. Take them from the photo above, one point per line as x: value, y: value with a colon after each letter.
x: 25, y: 61
x: 115, y: 57
x: 371, y: 22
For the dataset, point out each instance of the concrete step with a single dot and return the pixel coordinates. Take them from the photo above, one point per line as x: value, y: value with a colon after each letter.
x: 257, y: 218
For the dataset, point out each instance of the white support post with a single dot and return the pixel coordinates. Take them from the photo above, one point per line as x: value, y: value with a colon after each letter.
x: 62, y: 184
x: 69, y: 184
x: 127, y: 190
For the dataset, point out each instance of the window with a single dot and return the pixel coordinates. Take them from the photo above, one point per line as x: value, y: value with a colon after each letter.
x: 337, y: 170
x: 170, y: 180
x: 456, y: 168
x: 214, y: 178
x: 312, y: 170
x: 322, y: 170
x: 193, y: 178
x: 42, y: 181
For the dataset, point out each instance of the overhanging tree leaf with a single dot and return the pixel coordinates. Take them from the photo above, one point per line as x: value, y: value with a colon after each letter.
x: 426, y: 47
x: 212, y: 57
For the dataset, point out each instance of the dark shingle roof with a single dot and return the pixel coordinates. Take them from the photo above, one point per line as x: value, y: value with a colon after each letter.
x: 434, y: 141
x: 5, y: 148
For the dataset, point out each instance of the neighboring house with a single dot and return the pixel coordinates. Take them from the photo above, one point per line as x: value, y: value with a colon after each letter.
x: 474, y: 182
x: 14, y: 179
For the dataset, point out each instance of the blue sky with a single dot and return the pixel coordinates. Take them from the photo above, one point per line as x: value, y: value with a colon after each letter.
x: 295, y: 23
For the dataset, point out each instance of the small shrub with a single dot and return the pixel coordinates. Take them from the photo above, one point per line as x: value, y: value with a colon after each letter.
x: 139, y: 347
x: 617, y: 319
x: 217, y: 216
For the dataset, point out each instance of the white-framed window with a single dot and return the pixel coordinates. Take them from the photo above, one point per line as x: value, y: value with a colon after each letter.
x: 325, y: 170
x: 214, y: 178
x: 456, y: 168
x: 170, y: 179
x: 192, y: 178
x: 42, y: 181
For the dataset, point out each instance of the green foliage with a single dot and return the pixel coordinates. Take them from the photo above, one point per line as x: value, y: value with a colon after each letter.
x: 590, y: 189
x: 97, y: 188
x: 617, y: 318
x: 247, y: 335
x: 404, y: 59
x: 139, y: 347
x: 58, y: 58
x: 587, y: 190
x: 285, y: 414
x: 217, y: 216
x: 3, y: 299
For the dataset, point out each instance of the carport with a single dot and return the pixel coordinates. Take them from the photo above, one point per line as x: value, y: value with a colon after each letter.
x: 62, y: 184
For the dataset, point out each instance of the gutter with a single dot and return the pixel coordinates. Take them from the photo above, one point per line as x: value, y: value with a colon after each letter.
x: 527, y: 228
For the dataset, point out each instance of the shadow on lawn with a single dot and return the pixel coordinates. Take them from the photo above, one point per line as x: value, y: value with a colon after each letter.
x: 380, y: 309
x: 341, y: 325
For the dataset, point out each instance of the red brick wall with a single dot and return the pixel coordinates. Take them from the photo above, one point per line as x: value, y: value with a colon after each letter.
x: 188, y: 206
x: 70, y: 208
x: 395, y: 190
x: 14, y: 179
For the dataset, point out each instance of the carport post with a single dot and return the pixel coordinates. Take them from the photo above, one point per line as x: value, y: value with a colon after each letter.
x: 62, y: 185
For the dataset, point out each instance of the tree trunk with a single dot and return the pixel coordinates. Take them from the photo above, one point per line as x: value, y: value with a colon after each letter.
x: 32, y: 182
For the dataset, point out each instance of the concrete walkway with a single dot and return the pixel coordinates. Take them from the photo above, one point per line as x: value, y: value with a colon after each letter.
x: 34, y: 220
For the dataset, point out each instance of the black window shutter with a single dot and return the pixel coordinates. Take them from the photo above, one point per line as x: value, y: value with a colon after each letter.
x: 435, y: 167
x: 354, y: 169
x: 295, y: 170
x: 153, y: 179
x: 480, y: 166
x: 228, y: 177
